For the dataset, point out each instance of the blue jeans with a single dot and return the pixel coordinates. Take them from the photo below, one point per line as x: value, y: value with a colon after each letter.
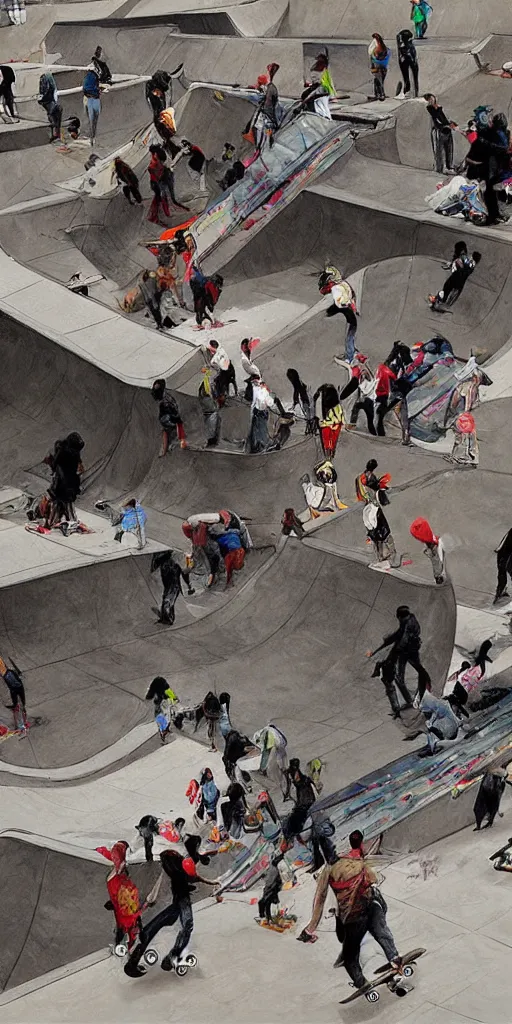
x: 93, y: 113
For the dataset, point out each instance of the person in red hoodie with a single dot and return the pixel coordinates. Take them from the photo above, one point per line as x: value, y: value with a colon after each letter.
x: 384, y: 376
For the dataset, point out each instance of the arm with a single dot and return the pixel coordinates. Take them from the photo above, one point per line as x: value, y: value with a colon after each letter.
x: 152, y: 896
x: 391, y: 639
x: 322, y: 889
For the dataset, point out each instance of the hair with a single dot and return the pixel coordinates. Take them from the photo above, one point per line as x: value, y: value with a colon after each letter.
x: 98, y: 51
x: 245, y: 343
x: 477, y: 256
x: 464, y: 666
x: 234, y: 792
x: 429, y: 96
x: 229, y: 145
x: 459, y: 248
x: 225, y: 698
x: 299, y: 388
x: 371, y: 465
x: 355, y: 839
x: 294, y: 763
x: 330, y: 398
x: 131, y: 503
x: 378, y: 37
x: 213, y: 344
x: 403, y: 611
x: 179, y: 822
x: 158, y: 387
x: 483, y: 654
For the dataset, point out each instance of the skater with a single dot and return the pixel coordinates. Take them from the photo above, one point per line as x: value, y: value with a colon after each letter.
x: 332, y: 418
x: 65, y: 463
x: 126, y: 177
x: 363, y: 383
x: 384, y: 377
x: 207, y: 395
x: 182, y: 873
x: 353, y: 883
x: 196, y: 165
x: 379, y: 532
x: 148, y: 828
x: 379, y: 55
x: 150, y: 291
x: 225, y: 375
x: 420, y: 13
x: 271, y: 890
x: 263, y: 401
x: 302, y: 397
x: 408, y: 63
x: 232, y: 551
x: 406, y: 643
x: 92, y: 101
x: 370, y: 487
x: 271, y: 739
x: 168, y: 416
x: 249, y: 368
x: 421, y: 530
x: 6, y: 86
x: 504, y: 566
x: 331, y: 282
x: 441, y: 135
x: 13, y: 680
x: 171, y: 575
x: 48, y: 98
x: 488, y: 798
x: 454, y: 284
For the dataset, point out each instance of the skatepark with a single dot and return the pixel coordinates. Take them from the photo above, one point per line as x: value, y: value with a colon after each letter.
x: 289, y: 640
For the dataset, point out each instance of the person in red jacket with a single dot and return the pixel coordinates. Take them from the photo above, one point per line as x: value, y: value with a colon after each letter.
x: 384, y: 376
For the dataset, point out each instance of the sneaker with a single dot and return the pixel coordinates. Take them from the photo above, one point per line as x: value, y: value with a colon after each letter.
x: 100, y: 505
x: 166, y: 964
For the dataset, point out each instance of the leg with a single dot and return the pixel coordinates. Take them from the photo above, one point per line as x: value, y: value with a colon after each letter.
x: 415, y: 77
x: 401, y: 662
x: 448, y: 150
x: 367, y: 405
x: 136, y: 194
x: 169, y: 598
x: 424, y: 680
x: 127, y: 192
x: 148, y: 847
x: 382, y: 408
x: 185, y: 932
x: 9, y: 99
x: 349, y: 389
x: 356, y: 409
x: 504, y: 566
x: 404, y: 71
x: 164, y: 919
x: 340, y: 935
x: 438, y: 149
x: 350, y: 337
x: 354, y: 934
x: 404, y: 420
x: 378, y: 927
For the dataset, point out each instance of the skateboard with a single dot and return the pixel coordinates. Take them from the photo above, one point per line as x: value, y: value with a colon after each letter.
x: 280, y: 923
x: 390, y: 976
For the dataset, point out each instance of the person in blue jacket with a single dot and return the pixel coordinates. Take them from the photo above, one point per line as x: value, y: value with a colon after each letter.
x: 380, y: 55
x: 232, y: 551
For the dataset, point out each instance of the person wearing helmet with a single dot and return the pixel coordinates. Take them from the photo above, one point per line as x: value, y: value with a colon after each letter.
x: 181, y: 872
x: 332, y: 282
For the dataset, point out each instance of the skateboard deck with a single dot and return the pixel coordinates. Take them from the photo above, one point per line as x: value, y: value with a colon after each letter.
x: 384, y: 976
x: 280, y: 923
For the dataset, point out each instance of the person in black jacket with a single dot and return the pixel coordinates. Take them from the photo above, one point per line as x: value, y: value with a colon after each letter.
x: 406, y: 641
x: 66, y: 464
x: 6, y: 83
x: 171, y: 575
x: 442, y: 138
x: 408, y: 62
x: 504, y: 565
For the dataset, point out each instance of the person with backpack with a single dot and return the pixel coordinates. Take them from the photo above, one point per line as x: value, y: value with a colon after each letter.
x: 49, y: 99
x: 379, y: 55
x: 6, y: 86
x: 92, y: 101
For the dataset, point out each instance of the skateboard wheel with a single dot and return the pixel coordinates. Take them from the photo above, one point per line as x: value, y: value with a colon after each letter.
x: 399, y: 991
x: 150, y: 957
x: 191, y: 960
x: 120, y: 950
x: 408, y: 971
x: 181, y: 970
x: 372, y: 996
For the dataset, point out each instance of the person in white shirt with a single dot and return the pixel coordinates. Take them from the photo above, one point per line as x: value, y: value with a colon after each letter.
x: 262, y: 402
x: 249, y: 369
x: 225, y: 376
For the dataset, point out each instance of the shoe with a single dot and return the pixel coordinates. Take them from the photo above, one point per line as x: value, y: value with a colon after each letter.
x: 499, y: 597
x: 134, y: 970
x: 397, y: 93
x: 166, y: 964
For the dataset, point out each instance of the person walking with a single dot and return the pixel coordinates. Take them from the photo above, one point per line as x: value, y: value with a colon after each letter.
x: 171, y: 575
x: 92, y: 101
x: 168, y: 415
x: 210, y: 408
x: 405, y: 645
x: 407, y: 62
x: 126, y: 177
x: 441, y: 135
x: 379, y: 55
x: 267, y: 116
x: 14, y: 682
x: 384, y: 376
x: 249, y: 368
x: 150, y: 291
x: 225, y: 371
x: 7, y: 82
x: 504, y: 566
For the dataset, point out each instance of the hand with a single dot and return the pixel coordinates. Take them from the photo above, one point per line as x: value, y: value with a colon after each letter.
x: 369, y: 654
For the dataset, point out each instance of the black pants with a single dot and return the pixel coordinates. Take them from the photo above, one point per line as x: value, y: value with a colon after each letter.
x: 413, y: 659
x: 407, y: 65
x: 169, y: 598
x: 181, y: 908
x: 223, y: 380
x: 8, y: 98
x: 379, y: 77
x: 378, y: 928
x: 381, y: 405
x: 365, y: 405
x: 267, y: 901
x: 132, y: 190
x: 349, y: 389
x: 452, y: 288
x: 491, y: 201
x: 442, y: 145
x: 352, y: 937
x: 17, y: 694
x: 148, y: 847
x: 154, y: 309
x: 504, y: 562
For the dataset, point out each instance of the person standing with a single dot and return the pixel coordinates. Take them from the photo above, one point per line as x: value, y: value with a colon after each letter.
x: 168, y: 415
x: 332, y: 418
x: 268, y: 110
x: 92, y: 101
x: 126, y: 177
x: 13, y: 680
x: 379, y: 533
x: 420, y: 13
x: 6, y: 86
x: 504, y: 566
x: 408, y: 63
x: 150, y: 291
x: 405, y: 649
x: 65, y: 463
x: 48, y: 98
x: 383, y: 376
x: 441, y: 135
x: 421, y: 530
x: 209, y: 407
x: 196, y: 164
x: 171, y: 575
x: 225, y: 374
x: 302, y: 397
x: 364, y: 384
x: 249, y: 368
x: 331, y: 282
x: 379, y: 55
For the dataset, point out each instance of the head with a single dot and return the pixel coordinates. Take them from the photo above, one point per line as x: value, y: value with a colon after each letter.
x: 185, y: 144
x: 98, y: 52
x: 206, y: 776
x: 158, y: 388
x: 131, y: 503
x: 465, y: 665
x: 272, y: 70
x: 179, y: 823
x: 293, y: 377
x: 225, y: 698
x: 460, y: 248
x: 371, y: 465
x: 500, y: 122
x: 402, y: 612
x: 294, y: 764
x: 356, y: 839
x: 476, y: 256
x: 118, y: 855
x: 379, y: 40
x: 228, y: 151
x: 325, y: 473
x: 213, y: 345
x: 361, y: 358
x: 75, y: 441
x: 330, y: 397
x: 430, y: 98
x: 321, y: 62
x: 245, y: 346
x: 235, y: 792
